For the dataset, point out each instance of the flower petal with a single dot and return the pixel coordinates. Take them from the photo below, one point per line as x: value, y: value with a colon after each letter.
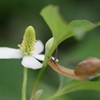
x: 38, y: 47
x: 8, y: 53
x: 39, y: 57
x: 30, y: 62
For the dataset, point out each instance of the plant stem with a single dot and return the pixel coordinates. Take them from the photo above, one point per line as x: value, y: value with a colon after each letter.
x: 36, y: 82
x: 24, y: 83
x: 41, y: 71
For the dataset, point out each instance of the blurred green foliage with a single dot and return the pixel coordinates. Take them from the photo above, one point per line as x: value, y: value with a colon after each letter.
x: 16, y: 15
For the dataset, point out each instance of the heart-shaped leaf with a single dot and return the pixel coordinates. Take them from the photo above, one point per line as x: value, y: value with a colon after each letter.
x: 80, y: 27
x: 58, y: 26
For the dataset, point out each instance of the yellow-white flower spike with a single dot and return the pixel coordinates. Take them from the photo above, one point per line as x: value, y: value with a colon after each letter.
x: 28, y: 42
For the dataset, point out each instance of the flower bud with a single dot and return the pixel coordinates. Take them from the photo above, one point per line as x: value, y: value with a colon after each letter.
x: 49, y: 44
x: 38, y: 94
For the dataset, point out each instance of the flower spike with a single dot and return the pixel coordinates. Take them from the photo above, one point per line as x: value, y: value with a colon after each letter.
x: 28, y: 42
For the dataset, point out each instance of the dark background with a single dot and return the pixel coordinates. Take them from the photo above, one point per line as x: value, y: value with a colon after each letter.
x: 16, y: 15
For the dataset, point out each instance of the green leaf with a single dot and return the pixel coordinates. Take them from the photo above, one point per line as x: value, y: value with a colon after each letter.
x: 80, y: 27
x: 95, y: 79
x: 78, y: 85
x: 58, y: 26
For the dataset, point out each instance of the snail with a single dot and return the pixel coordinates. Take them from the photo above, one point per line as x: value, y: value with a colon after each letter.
x: 84, y: 71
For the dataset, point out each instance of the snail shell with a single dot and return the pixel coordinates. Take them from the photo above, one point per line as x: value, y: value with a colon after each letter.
x: 87, y: 67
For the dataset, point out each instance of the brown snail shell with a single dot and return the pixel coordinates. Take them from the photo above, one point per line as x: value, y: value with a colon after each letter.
x: 87, y: 67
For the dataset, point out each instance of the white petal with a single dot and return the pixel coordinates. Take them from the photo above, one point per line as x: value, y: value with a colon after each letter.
x: 8, y: 53
x: 39, y: 57
x: 30, y: 62
x: 38, y: 47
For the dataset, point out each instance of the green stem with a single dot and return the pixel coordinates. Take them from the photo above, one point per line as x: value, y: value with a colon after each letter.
x: 24, y: 83
x: 42, y: 70
x: 36, y: 83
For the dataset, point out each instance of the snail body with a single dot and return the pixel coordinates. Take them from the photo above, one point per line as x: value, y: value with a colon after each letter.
x: 84, y: 71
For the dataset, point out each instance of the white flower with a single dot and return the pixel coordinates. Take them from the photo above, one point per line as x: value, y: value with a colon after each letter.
x: 29, y: 51
x: 29, y: 61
